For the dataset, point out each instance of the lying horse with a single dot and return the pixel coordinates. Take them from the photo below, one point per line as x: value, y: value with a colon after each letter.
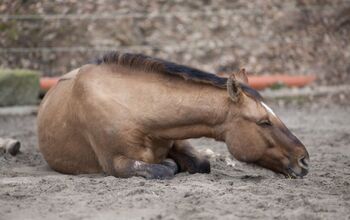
x: 130, y: 115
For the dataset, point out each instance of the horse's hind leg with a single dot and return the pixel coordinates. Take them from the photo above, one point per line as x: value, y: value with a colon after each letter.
x: 188, y: 158
x: 125, y: 167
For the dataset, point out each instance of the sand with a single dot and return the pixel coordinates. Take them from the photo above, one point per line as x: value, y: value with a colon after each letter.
x: 233, y: 190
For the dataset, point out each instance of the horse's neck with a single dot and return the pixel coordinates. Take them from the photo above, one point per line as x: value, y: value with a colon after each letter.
x: 197, y: 110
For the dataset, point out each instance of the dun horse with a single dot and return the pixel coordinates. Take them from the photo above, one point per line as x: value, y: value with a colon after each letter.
x: 130, y: 115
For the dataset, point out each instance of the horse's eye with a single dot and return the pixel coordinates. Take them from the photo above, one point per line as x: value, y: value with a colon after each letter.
x: 264, y: 123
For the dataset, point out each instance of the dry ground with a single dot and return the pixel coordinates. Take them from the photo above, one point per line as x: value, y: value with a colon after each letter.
x: 30, y: 190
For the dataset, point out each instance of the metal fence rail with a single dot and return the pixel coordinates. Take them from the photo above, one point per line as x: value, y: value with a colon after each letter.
x: 205, y: 12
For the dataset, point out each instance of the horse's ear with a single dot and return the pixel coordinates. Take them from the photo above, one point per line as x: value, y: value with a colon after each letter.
x: 234, y: 89
x: 241, y: 76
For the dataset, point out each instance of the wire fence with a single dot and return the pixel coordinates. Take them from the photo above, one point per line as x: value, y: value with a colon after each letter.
x: 165, y: 14
x: 208, y: 44
x: 213, y: 44
x: 115, y: 16
x: 174, y: 47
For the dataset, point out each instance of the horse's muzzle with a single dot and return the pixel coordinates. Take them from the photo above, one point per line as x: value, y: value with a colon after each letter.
x: 300, y: 170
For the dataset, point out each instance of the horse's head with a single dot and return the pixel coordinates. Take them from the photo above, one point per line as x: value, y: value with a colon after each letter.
x: 255, y: 134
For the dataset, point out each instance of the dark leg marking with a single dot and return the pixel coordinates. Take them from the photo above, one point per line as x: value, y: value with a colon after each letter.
x: 188, y: 158
x: 171, y: 164
x: 125, y: 167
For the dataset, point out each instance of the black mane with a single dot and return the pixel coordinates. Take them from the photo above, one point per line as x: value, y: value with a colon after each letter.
x: 152, y: 64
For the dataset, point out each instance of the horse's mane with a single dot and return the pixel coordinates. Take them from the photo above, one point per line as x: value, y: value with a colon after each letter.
x: 152, y: 64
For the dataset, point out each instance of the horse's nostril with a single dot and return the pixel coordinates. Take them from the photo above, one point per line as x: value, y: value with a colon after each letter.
x: 304, y: 162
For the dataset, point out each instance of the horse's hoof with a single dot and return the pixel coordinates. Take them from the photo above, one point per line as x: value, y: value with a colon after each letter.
x: 171, y: 164
x: 159, y: 171
x: 200, y: 166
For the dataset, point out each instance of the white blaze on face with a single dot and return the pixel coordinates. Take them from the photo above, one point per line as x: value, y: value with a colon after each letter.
x: 268, y: 109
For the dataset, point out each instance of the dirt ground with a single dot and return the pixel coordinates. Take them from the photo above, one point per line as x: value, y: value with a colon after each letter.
x: 30, y: 190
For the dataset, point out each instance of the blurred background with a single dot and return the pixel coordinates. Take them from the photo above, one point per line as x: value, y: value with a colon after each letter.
x: 265, y: 37
x: 41, y: 40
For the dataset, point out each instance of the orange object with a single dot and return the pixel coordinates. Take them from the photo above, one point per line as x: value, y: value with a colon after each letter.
x: 257, y: 82
x: 264, y: 81
x: 47, y: 82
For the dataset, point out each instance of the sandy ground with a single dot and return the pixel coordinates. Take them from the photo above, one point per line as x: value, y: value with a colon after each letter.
x: 30, y: 190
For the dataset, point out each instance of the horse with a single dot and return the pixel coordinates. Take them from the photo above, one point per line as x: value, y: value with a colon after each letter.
x: 131, y: 115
